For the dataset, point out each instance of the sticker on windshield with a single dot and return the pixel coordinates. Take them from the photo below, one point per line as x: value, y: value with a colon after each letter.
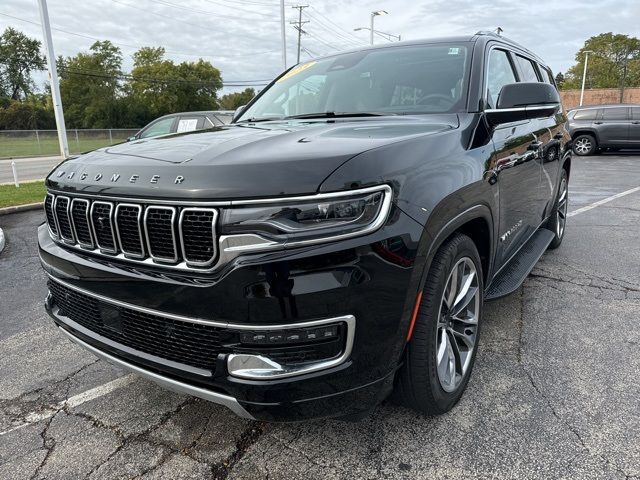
x: 454, y: 51
x: 296, y: 70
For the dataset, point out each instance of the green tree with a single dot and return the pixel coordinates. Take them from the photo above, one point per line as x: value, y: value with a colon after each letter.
x: 30, y: 114
x: 19, y: 57
x: 231, y: 101
x: 614, y: 63
x: 560, y: 80
x: 90, y: 87
x: 163, y: 86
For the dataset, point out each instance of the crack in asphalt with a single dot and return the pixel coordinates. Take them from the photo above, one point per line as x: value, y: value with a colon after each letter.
x: 591, y: 278
x: 220, y: 470
x: 48, y: 444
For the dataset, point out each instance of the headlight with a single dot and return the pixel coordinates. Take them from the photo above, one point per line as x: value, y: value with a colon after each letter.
x: 305, y: 220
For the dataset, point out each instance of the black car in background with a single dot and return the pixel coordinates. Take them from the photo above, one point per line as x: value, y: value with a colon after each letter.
x: 184, y: 122
x: 332, y: 245
x: 612, y: 127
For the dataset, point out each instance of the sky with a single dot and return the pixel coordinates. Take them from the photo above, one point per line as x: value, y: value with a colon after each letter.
x: 242, y: 37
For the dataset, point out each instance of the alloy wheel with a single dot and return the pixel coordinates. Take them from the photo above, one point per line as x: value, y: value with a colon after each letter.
x: 457, y: 324
x: 561, y: 212
x: 583, y: 146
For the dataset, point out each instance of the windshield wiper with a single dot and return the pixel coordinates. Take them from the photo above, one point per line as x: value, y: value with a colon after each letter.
x: 259, y: 119
x: 340, y: 115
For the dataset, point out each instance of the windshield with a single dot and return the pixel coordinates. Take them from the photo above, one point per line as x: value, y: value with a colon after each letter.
x: 399, y: 80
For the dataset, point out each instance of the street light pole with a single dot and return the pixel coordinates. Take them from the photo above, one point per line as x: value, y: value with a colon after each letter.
x: 374, y: 15
x: 53, y: 76
x: 584, y: 73
x: 284, y: 36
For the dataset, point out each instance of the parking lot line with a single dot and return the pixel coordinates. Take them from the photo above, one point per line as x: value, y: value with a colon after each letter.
x: 74, y: 401
x: 603, y: 201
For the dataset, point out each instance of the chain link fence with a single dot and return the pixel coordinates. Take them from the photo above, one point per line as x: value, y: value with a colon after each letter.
x: 33, y: 143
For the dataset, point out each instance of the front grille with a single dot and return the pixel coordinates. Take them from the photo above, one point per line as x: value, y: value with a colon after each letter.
x: 128, y: 218
x: 183, y: 342
x: 61, y: 208
x: 80, y: 219
x: 191, y: 344
x: 197, y: 227
x: 48, y: 210
x: 161, y: 238
x: 172, y: 236
x: 103, y: 226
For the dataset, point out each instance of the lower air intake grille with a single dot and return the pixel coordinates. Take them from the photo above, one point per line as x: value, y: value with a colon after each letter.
x: 183, y: 342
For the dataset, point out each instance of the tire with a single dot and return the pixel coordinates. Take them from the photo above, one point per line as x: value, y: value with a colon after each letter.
x: 557, y: 222
x: 421, y: 384
x: 584, y: 145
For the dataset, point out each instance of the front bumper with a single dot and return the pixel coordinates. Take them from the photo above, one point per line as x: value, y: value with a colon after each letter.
x: 356, y: 278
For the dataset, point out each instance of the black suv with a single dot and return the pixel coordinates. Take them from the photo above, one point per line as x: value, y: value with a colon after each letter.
x: 611, y: 127
x: 333, y: 244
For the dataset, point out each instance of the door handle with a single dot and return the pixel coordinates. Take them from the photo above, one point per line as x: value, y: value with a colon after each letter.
x: 535, y: 145
x: 597, y: 123
x: 637, y: 122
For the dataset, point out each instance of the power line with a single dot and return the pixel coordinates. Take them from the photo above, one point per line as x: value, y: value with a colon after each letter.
x: 171, y: 52
x: 206, y: 12
x: 338, y: 27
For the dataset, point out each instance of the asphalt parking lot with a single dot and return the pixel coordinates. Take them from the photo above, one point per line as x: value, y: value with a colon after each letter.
x: 555, y: 392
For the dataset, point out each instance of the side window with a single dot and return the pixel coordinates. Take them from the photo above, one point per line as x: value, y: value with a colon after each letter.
x: 547, y: 76
x: 635, y: 113
x: 618, y: 113
x: 528, y: 70
x: 161, y: 127
x: 499, y: 73
x: 188, y: 124
x: 589, y: 114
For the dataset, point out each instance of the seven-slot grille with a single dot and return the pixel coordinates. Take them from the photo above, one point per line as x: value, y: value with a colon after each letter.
x: 167, y: 235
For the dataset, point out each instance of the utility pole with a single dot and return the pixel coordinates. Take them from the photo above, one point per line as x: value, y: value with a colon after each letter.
x: 284, y: 36
x: 298, y: 26
x: 53, y: 76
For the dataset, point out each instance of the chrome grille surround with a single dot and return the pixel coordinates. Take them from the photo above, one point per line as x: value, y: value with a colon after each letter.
x: 225, y: 248
x: 138, y: 233
x: 62, y: 211
x: 80, y: 230
x: 187, y: 248
x: 110, y: 246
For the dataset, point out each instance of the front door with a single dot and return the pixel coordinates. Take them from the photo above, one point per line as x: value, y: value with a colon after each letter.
x: 517, y: 173
x: 613, y: 126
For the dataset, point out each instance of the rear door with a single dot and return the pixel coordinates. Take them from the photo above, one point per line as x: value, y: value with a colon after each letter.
x: 613, y: 126
x: 634, y: 128
x: 514, y: 163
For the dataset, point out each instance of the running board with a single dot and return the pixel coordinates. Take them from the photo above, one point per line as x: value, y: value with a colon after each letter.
x: 514, y: 273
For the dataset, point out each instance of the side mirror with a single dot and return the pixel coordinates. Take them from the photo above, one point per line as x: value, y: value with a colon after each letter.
x: 237, y: 112
x: 131, y: 139
x: 524, y: 101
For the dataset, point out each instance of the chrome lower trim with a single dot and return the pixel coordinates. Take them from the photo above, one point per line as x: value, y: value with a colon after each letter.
x: 260, y: 367
x: 225, y: 400
x: 200, y: 321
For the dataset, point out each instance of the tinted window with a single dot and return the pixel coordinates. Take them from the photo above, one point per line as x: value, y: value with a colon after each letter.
x: 547, y: 76
x: 409, y: 79
x: 161, y: 127
x: 620, y: 113
x: 500, y: 73
x: 589, y: 114
x: 528, y: 70
x: 636, y: 113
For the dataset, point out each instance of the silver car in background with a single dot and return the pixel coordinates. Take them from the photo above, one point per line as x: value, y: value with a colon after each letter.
x: 604, y: 127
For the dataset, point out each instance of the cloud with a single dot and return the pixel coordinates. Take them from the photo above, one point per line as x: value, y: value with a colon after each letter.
x: 242, y: 37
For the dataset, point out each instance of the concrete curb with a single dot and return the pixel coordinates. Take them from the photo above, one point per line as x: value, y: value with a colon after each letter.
x: 2, y: 243
x: 20, y: 208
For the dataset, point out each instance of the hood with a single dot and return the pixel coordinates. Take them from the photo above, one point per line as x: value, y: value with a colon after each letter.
x: 237, y: 161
